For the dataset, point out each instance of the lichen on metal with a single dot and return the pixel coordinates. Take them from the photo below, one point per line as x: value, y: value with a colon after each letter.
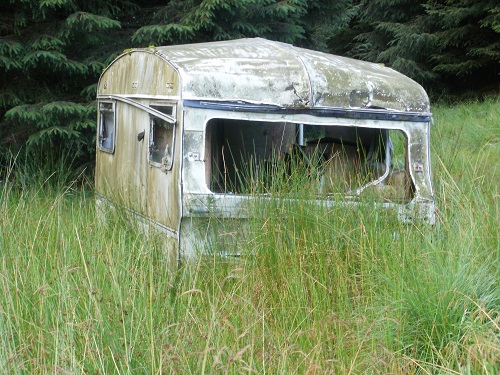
x: 263, y: 71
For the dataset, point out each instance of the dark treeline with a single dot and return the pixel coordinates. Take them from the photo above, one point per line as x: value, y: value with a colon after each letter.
x: 53, y: 51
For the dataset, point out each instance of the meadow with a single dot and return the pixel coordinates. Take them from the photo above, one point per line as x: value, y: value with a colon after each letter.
x: 343, y: 290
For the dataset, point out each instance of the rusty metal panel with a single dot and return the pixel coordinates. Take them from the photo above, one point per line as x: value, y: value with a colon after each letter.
x: 126, y: 176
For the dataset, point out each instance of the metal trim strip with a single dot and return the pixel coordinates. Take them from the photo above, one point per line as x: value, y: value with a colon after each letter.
x: 364, y: 114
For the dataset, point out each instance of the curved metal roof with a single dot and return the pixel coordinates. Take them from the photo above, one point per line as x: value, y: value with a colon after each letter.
x: 262, y: 71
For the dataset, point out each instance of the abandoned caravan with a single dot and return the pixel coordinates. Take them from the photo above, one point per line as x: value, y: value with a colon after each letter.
x: 191, y: 133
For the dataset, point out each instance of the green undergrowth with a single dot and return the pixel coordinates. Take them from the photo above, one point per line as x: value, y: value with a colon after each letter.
x: 337, y: 290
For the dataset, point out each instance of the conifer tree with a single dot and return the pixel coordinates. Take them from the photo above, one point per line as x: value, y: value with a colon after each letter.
x: 300, y: 22
x: 465, y: 35
x: 51, y: 55
x: 453, y: 44
x: 52, y: 51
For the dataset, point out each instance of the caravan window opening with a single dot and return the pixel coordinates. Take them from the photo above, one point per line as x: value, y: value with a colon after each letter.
x: 162, y: 138
x: 249, y: 157
x: 107, y: 126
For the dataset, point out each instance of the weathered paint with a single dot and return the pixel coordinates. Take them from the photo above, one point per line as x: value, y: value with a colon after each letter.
x: 254, y: 80
x: 140, y: 73
x: 266, y: 72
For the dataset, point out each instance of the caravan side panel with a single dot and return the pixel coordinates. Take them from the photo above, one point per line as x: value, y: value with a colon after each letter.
x: 141, y: 87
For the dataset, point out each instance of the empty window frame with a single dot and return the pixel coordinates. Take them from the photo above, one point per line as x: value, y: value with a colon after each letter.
x: 261, y: 157
x: 107, y: 126
x: 162, y: 137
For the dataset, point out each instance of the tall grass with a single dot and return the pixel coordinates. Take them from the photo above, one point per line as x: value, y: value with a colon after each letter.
x: 342, y: 290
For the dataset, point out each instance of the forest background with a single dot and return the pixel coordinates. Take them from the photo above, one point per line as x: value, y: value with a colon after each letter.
x: 53, y: 51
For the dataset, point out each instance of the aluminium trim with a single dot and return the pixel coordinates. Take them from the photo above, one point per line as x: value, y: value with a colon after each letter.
x: 146, y: 108
x: 367, y: 114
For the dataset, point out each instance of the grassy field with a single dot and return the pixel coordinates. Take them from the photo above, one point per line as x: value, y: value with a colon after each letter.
x: 326, y: 291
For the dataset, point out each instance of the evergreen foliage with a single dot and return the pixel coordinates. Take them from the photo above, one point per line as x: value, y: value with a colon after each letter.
x: 51, y: 56
x: 300, y: 22
x: 453, y: 44
x: 467, y: 34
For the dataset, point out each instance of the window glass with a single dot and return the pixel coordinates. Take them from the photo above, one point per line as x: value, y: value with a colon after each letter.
x: 107, y: 126
x: 161, y: 138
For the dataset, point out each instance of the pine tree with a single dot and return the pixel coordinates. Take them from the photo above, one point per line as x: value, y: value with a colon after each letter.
x: 451, y: 44
x: 466, y: 39
x: 392, y: 32
x: 326, y: 21
x: 51, y: 55
x: 301, y: 22
x: 52, y: 51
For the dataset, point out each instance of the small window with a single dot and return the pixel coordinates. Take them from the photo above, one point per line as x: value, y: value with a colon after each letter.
x: 161, y: 138
x: 107, y: 126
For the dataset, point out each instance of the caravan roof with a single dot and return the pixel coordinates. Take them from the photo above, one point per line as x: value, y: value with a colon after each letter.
x: 266, y: 72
